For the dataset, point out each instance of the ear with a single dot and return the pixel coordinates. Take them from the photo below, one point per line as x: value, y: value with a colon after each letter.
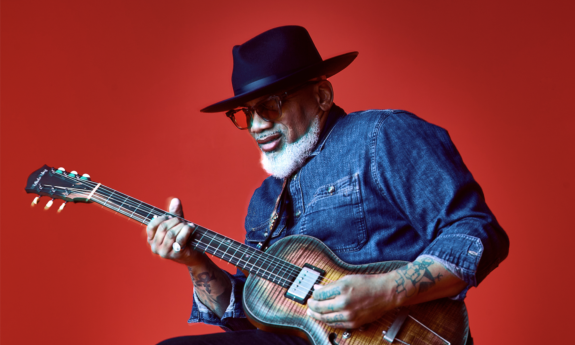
x: 324, y: 95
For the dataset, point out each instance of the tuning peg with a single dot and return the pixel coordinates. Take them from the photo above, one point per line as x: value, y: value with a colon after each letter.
x: 73, y: 173
x: 62, y: 206
x: 85, y: 177
x: 60, y: 170
x: 35, y: 201
x: 48, y: 204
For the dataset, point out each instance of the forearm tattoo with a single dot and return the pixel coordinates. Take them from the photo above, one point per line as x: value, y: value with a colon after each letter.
x: 203, y: 280
x: 416, y: 273
x: 203, y: 284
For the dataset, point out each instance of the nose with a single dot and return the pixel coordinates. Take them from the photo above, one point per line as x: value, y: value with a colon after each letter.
x: 259, y: 124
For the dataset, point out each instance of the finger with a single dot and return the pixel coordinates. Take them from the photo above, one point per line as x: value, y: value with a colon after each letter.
x: 153, y: 226
x: 163, y: 228
x: 176, y: 207
x: 183, y: 236
x: 329, y: 318
x: 329, y: 291
x: 166, y: 247
x: 326, y: 306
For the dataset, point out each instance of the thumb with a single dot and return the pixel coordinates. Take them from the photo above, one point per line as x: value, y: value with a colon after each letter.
x: 176, y: 207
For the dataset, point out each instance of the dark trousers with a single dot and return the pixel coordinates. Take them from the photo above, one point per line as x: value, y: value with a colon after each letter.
x: 251, y: 337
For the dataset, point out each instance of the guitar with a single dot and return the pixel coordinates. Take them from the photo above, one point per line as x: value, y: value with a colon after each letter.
x: 280, y: 279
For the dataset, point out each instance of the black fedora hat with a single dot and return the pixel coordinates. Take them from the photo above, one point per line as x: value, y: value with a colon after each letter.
x: 275, y: 60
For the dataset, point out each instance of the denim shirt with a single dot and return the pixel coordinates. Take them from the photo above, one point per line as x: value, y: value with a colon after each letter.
x: 380, y: 185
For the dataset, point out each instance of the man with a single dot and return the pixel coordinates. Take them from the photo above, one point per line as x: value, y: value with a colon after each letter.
x: 373, y: 186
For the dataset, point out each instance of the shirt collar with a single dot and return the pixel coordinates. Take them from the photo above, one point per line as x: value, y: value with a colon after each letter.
x: 333, y: 117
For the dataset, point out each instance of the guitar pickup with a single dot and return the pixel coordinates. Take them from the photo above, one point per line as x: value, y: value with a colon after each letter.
x: 302, y: 287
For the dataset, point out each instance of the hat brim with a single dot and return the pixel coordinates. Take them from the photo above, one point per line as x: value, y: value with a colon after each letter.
x: 328, y: 67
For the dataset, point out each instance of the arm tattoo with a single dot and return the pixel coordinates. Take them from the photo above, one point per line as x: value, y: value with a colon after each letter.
x: 218, y: 303
x: 416, y: 273
x: 203, y: 280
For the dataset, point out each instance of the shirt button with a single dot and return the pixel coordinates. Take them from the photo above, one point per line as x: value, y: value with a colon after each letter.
x: 266, y: 234
x: 298, y: 213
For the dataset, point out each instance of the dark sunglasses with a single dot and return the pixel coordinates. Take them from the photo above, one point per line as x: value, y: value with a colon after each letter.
x: 269, y: 109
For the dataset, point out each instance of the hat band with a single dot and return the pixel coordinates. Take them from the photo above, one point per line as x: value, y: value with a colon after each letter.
x: 256, y: 84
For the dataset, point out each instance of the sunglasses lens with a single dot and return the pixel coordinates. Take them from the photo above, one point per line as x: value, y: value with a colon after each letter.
x: 241, y: 118
x: 270, y: 109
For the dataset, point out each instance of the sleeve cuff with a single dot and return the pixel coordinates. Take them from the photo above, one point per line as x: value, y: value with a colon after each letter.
x: 459, y: 254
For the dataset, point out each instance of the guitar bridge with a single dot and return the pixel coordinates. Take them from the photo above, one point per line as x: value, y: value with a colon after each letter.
x: 302, y: 287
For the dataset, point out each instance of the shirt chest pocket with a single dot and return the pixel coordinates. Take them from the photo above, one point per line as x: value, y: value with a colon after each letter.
x: 336, y: 216
x: 258, y: 233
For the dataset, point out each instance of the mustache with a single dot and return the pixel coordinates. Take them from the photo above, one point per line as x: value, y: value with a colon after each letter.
x: 265, y: 135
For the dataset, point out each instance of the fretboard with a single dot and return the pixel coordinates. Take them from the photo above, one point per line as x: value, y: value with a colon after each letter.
x: 238, y: 254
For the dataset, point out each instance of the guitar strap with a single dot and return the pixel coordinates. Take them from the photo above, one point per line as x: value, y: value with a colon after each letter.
x: 278, y: 209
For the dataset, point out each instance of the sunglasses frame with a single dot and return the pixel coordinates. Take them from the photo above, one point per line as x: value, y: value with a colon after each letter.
x: 249, y: 111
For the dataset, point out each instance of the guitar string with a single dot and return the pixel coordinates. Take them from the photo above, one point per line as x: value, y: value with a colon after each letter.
x: 235, y: 251
x: 150, y: 209
x: 211, y: 249
x: 265, y: 259
x: 280, y: 264
x: 256, y: 258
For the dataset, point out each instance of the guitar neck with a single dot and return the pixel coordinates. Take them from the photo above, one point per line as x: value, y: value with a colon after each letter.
x: 204, y: 240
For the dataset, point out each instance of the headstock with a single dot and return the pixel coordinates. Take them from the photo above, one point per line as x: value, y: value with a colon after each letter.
x: 59, y: 184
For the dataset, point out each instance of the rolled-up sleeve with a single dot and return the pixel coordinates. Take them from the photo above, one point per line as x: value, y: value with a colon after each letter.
x: 419, y: 170
x: 234, y: 318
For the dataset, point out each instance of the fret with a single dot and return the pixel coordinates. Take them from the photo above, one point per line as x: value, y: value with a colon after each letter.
x: 276, y: 270
x: 141, y: 213
x: 245, y: 258
x: 272, y: 274
x: 135, y: 210
x: 122, y: 204
x: 234, y: 256
x: 200, y: 240
x: 250, y: 258
x: 208, y: 245
x: 235, y: 246
x: 258, y: 265
x: 113, y: 191
x: 215, y: 236
x: 149, y: 213
x: 228, y: 241
x: 283, y: 276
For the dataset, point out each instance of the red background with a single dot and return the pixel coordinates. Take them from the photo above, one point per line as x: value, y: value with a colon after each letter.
x: 113, y: 88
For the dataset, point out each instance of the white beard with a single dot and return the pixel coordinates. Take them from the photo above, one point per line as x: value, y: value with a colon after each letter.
x: 292, y: 156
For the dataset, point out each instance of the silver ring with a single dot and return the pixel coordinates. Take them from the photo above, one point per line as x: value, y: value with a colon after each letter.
x: 176, y: 247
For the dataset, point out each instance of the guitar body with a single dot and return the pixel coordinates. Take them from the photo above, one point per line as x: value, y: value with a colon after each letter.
x: 268, y: 308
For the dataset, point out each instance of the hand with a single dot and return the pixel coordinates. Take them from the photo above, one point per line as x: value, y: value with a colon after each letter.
x: 353, y: 300
x: 164, y: 231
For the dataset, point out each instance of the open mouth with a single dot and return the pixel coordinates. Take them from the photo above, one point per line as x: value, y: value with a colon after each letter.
x: 269, y: 143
